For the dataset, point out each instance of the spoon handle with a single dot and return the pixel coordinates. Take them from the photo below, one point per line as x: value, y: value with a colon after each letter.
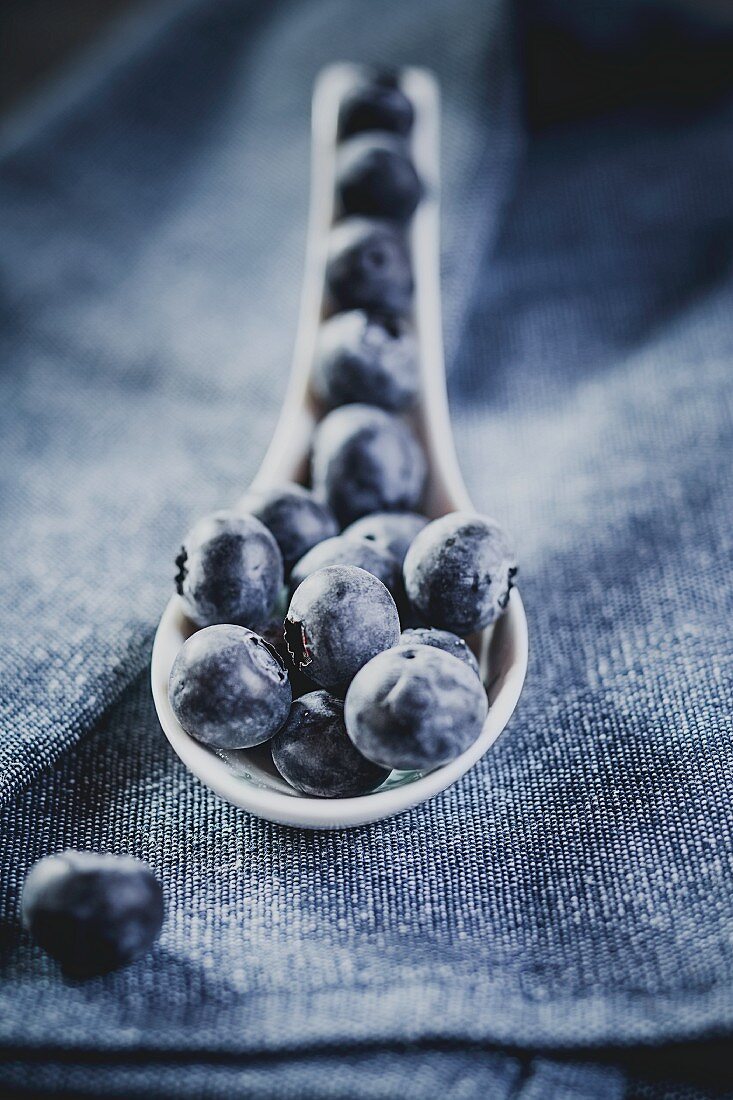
x: 252, y: 783
x: 287, y: 456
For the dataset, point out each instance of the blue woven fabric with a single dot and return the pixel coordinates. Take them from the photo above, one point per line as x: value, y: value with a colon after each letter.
x: 573, y: 892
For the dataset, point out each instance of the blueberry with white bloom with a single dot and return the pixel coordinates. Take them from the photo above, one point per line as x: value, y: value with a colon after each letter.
x: 441, y: 639
x: 230, y: 570
x: 229, y: 688
x: 367, y: 460
x: 414, y: 707
x: 339, y: 618
x: 349, y: 551
x: 375, y: 177
x: 368, y: 267
x: 93, y: 912
x: 369, y: 359
x: 459, y: 572
x: 294, y: 516
x: 314, y: 753
x: 376, y: 104
x: 392, y: 532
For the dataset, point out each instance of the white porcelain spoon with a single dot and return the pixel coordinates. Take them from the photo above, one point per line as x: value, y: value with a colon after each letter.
x: 249, y: 778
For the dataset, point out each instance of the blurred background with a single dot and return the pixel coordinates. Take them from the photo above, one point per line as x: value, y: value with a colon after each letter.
x: 581, y: 56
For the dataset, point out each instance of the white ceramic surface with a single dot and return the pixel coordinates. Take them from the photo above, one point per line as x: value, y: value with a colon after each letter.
x: 248, y: 778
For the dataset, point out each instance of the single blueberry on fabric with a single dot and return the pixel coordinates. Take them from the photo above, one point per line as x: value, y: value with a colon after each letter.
x: 377, y: 104
x: 366, y: 358
x: 93, y: 912
x: 230, y: 570
x: 339, y: 618
x: 367, y: 460
x: 294, y: 516
x: 229, y: 688
x: 345, y: 550
x: 314, y: 753
x: 376, y: 178
x: 414, y: 707
x: 441, y: 639
x: 392, y: 532
x: 368, y: 267
x: 459, y: 572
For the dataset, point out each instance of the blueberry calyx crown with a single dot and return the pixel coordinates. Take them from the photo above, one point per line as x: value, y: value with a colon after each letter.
x: 297, y: 643
x: 504, y: 597
x: 182, y: 571
x: 386, y: 78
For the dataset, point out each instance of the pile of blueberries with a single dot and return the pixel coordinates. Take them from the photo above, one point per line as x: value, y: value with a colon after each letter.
x: 367, y: 670
x: 333, y: 618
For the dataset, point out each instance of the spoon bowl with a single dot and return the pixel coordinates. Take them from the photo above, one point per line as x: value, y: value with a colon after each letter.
x: 248, y: 778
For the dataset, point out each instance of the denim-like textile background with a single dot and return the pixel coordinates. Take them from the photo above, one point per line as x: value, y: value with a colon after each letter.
x: 574, y: 890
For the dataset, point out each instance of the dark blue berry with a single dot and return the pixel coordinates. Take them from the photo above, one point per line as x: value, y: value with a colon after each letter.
x: 391, y: 532
x: 338, y: 619
x: 229, y: 688
x: 230, y: 570
x: 459, y: 571
x: 314, y: 754
x: 367, y: 460
x: 92, y: 912
x: 295, y: 518
x: 369, y: 359
x: 377, y: 104
x: 368, y: 267
x: 350, y: 551
x: 375, y: 177
x: 414, y: 707
x: 441, y: 639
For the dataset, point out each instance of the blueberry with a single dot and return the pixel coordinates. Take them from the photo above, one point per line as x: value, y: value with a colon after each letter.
x: 295, y: 518
x: 230, y: 570
x: 368, y: 267
x: 441, y: 639
x: 459, y: 571
x: 366, y: 460
x: 377, y: 104
x: 350, y: 551
x: 339, y: 618
x: 229, y: 688
x: 375, y: 177
x: 92, y: 912
x: 391, y: 532
x: 414, y: 707
x: 314, y: 754
x: 369, y: 359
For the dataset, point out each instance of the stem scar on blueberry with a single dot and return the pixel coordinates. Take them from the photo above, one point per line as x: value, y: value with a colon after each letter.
x: 297, y: 643
x: 504, y: 597
x: 182, y: 571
